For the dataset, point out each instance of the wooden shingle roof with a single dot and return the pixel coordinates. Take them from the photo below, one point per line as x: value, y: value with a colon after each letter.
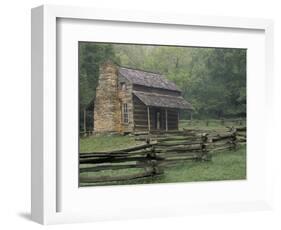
x: 164, y: 101
x: 149, y: 79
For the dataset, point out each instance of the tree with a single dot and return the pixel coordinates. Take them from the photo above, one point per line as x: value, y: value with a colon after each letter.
x: 91, y: 55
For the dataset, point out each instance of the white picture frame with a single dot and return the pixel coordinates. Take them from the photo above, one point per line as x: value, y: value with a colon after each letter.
x: 46, y: 165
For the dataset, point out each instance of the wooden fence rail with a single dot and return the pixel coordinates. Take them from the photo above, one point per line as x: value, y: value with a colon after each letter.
x: 161, y: 150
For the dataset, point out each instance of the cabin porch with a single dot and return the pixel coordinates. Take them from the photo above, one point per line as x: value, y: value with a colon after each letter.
x: 156, y: 118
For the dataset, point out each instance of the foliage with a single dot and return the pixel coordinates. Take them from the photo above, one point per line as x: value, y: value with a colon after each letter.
x: 90, y: 57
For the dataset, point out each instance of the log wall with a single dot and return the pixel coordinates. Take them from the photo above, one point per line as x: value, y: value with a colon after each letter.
x: 140, y: 115
x: 126, y: 97
x: 173, y: 123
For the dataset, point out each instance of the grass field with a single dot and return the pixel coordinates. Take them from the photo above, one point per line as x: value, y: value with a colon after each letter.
x: 225, y: 165
x: 209, y: 124
x: 105, y: 143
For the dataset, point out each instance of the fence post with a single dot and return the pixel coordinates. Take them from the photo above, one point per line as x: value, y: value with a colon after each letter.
x: 147, y: 139
x: 153, y: 162
x: 234, y: 138
x: 204, y: 152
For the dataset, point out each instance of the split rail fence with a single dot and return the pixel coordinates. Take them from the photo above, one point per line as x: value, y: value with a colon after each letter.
x: 160, y: 151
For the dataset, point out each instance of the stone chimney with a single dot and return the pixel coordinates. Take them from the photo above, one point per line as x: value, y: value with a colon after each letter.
x: 107, y: 113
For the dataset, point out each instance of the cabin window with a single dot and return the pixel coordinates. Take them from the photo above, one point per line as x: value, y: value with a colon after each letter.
x: 125, y: 113
x: 123, y: 86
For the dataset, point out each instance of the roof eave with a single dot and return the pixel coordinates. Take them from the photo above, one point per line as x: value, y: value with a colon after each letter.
x: 173, y: 90
x: 186, y: 105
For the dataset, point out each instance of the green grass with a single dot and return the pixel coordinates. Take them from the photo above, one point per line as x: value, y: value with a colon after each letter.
x: 227, y: 165
x: 106, y: 143
x: 202, y: 124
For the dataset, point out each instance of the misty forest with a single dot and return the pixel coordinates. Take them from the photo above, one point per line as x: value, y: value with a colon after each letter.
x: 212, y: 79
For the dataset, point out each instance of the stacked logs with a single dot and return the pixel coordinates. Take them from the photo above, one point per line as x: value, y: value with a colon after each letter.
x: 137, y: 157
x: 241, y: 135
x: 178, y: 146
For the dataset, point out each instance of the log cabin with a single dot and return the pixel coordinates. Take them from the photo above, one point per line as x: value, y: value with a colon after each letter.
x: 131, y: 100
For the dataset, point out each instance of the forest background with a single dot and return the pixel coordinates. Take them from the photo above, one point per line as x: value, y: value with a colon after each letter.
x: 212, y: 79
